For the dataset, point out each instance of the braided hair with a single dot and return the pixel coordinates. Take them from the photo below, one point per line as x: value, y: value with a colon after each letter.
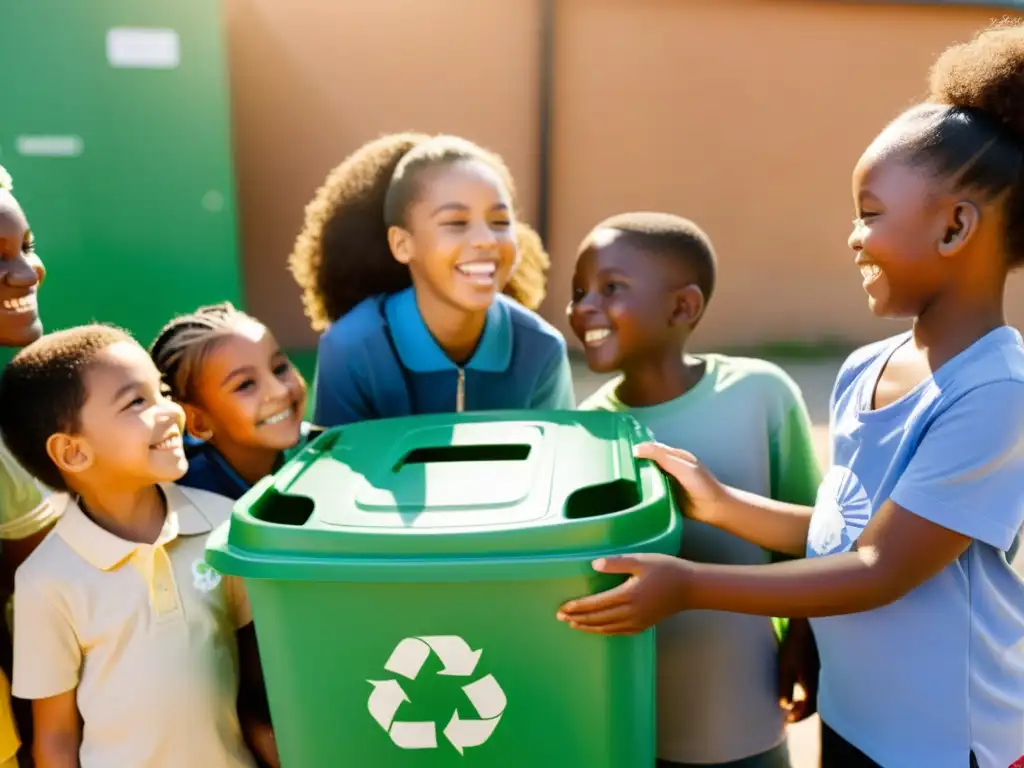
x: 184, y: 343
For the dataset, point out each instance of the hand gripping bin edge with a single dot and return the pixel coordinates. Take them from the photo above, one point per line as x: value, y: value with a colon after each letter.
x: 404, y: 576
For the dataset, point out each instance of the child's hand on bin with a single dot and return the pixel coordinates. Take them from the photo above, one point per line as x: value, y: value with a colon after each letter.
x: 656, y: 589
x: 702, y: 492
x: 659, y: 584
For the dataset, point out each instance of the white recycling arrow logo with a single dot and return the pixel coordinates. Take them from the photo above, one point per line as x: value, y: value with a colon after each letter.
x: 458, y: 660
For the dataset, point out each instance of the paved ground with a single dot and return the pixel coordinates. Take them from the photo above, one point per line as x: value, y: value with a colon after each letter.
x: 815, y: 380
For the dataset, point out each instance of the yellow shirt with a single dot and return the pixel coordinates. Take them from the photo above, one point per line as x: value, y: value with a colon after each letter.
x: 9, y: 741
x: 145, y: 633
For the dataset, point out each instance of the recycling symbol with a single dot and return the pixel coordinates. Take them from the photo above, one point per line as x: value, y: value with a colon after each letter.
x: 458, y: 660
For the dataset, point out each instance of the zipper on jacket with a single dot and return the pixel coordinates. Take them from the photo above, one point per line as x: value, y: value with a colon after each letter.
x: 460, y: 392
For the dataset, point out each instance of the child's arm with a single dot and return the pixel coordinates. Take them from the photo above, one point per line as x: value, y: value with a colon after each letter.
x: 58, y: 731
x: 897, y: 551
x: 957, y: 488
x: 774, y: 525
x: 554, y: 388
x: 795, y: 477
x: 47, y: 661
x: 253, y: 708
x: 799, y: 665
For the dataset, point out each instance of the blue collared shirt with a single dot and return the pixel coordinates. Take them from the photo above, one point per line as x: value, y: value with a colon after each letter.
x: 520, y: 363
x: 208, y: 470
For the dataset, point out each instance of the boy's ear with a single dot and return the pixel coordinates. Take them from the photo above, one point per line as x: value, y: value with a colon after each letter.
x: 197, y: 423
x: 400, y: 242
x: 687, y: 305
x: 71, y: 454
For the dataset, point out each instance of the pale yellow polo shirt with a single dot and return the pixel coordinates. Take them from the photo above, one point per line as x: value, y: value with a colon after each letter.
x: 145, y: 632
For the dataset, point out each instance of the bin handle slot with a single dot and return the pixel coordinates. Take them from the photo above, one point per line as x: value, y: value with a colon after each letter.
x: 604, y: 499
x: 283, y: 508
x: 464, y: 453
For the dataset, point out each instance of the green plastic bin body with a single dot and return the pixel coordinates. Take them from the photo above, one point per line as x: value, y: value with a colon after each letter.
x: 116, y: 129
x: 404, y: 576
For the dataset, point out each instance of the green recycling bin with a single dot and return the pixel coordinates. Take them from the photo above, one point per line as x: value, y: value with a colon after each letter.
x: 404, y: 576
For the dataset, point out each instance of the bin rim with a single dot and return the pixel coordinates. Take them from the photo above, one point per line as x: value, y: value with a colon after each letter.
x: 281, y: 567
x: 582, y: 452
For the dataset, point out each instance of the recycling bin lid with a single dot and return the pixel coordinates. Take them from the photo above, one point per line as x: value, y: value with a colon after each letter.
x: 490, y: 485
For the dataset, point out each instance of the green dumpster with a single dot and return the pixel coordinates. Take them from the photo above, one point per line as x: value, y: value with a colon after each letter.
x: 116, y: 127
x: 404, y: 576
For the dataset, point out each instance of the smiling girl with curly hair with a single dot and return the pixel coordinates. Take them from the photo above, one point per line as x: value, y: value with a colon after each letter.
x: 407, y: 253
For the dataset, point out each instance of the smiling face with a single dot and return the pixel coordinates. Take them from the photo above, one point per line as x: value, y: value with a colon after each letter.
x: 459, y: 238
x: 21, y: 272
x: 901, y: 221
x: 130, y: 434
x: 628, y: 306
x: 247, y: 392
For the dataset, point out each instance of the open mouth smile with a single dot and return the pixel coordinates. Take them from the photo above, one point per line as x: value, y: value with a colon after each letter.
x: 278, y: 417
x: 596, y: 337
x: 478, y: 272
x: 169, y: 443
x: 20, y: 305
x: 870, y: 273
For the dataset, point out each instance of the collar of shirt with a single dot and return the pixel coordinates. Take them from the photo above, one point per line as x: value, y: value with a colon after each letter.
x: 233, y: 478
x: 419, y: 352
x: 105, y: 551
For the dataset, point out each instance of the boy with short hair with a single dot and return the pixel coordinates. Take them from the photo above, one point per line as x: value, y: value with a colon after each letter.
x: 124, y: 638
x: 642, y: 283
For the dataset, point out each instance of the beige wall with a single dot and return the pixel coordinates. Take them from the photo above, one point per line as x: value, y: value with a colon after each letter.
x: 313, y: 79
x: 746, y: 115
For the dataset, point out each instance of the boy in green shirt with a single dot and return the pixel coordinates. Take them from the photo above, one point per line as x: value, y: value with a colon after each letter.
x: 641, y: 285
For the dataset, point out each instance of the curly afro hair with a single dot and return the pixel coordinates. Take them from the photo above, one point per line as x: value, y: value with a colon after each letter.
x: 971, y: 130
x: 529, y: 282
x: 985, y: 74
x: 342, y: 256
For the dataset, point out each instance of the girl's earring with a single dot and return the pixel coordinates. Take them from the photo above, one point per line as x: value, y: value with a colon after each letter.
x: 204, y: 436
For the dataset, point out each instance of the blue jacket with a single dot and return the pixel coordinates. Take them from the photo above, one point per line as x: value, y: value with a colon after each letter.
x: 380, y: 361
x: 208, y: 470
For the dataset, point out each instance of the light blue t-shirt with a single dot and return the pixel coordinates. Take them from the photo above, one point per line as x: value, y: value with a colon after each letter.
x: 940, y: 672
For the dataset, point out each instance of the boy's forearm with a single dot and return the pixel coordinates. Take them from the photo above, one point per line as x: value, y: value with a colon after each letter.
x: 259, y: 735
x: 253, y: 707
x: 59, y: 751
x: 772, y: 525
x: 845, y: 583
